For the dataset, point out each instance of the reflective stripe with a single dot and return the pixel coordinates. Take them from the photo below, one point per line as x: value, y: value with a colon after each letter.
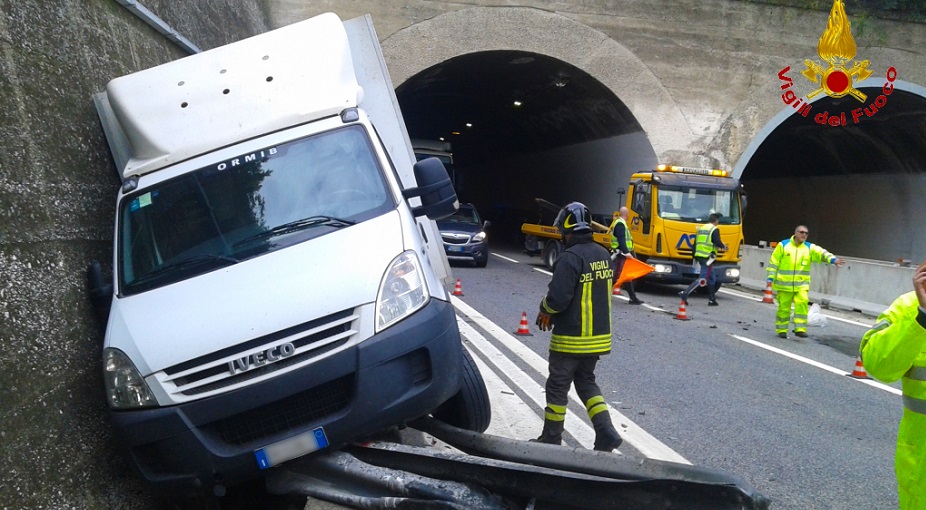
x: 916, y: 373
x: 794, y: 272
x: 581, y: 345
x: 595, y: 405
x: 917, y: 405
x: 554, y: 412
x: 588, y: 323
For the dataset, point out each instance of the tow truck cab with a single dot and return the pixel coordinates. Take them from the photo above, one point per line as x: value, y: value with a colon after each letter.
x: 668, y: 204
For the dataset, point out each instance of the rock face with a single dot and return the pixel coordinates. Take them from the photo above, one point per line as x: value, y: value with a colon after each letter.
x: 57, y: 192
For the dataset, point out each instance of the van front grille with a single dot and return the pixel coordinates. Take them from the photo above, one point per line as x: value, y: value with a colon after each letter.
x: 260, y: 356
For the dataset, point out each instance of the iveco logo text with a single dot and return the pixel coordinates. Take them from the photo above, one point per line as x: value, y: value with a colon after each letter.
x: 261, y: 358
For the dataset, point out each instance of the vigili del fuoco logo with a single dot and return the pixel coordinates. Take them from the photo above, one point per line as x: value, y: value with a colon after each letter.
x: 836, y: 48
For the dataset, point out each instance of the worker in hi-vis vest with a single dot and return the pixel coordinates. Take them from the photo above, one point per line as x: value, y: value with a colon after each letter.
x: 577, y: 308
x: 621, y: 248
x: 707, y: 242
x: 788, y: 271
x: 895, y: 348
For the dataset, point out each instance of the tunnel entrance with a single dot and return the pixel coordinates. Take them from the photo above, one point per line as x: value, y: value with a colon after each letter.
x: 858, y: 187
x: 523, y: 125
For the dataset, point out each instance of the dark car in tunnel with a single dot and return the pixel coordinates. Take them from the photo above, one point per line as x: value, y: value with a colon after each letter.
x: 464, y: 236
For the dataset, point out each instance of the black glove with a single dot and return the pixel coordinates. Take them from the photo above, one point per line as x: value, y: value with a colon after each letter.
x: 543, y: 321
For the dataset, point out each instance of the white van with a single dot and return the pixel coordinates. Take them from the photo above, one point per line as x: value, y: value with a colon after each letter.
x: 277, y: 277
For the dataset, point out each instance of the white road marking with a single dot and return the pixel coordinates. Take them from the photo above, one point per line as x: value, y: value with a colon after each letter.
x: 817, y: 364
x: 505, y: 258
x: 644, y: 442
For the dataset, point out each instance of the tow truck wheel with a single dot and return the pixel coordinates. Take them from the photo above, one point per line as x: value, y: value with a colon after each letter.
x: 551, y: 252
x: 470, y: 408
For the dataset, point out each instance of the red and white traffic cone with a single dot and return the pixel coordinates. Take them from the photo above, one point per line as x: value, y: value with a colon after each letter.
x: 682, y: 312
x: 616, y: 290
x: 457, y: 289
x: 859, y: 371
x: 768, y: 297
x: 522, y: 327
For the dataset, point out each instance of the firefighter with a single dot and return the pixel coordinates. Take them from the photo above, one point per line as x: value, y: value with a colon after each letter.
x: 895, y: 348
x: 707, y: 242
x: 577, y: 308
x: 622, y: 246
x: 788, y: 271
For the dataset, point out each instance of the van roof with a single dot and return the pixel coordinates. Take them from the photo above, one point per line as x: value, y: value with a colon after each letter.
x: 288, y: 76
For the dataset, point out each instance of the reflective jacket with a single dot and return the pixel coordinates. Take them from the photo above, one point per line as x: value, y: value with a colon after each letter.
x: 579, y: 299
x: 704, y: 244
x: 789, y: 265
x: 895, y: 348
x: 628, y: 238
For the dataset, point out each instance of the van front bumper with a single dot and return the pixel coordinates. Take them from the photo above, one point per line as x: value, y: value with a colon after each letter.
x: 398, y: 375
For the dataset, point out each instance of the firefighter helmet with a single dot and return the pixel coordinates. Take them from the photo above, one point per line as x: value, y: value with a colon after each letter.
x: 574, y: 218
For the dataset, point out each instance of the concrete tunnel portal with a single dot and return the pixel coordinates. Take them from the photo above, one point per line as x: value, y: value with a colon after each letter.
x: 525, y: 125
x: 522, y: 126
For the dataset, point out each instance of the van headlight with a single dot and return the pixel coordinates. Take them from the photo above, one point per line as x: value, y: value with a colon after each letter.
x: 125, y: 387
x: 480, y: 237
x: 401, y: 292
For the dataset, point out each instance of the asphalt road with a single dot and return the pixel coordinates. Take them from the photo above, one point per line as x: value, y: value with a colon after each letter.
x: 720, y: 390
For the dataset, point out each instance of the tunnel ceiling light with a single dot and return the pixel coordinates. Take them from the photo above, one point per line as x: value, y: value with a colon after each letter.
x: 517, y: 103
x: 469, y: 124
x: 441, y: 138
x: 454, y: 132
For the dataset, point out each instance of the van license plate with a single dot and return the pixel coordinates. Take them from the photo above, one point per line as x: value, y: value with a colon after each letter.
x: 455, y: 248
x: 291, y: 448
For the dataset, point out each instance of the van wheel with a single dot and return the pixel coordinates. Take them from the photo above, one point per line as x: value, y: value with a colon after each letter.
x: 551, y: 252
x: 470, y: 408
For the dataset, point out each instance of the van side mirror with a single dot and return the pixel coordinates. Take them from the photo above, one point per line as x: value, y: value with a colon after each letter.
x: 438, y: 198
x: 100, y: 291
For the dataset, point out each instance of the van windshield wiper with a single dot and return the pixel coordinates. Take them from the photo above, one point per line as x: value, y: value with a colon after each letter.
x: 219, y: 260
x: 295, y: 226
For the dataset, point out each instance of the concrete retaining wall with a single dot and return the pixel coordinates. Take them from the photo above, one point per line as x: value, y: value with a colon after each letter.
x: 861, y: 285
x: 57, y: 197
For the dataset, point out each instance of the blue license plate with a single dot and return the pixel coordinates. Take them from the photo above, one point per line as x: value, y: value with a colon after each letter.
x: 455, y: 248
x: 290, y: 448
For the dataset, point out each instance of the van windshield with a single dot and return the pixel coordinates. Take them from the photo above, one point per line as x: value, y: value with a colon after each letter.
x: 247, y: 206
x: 694, y: 205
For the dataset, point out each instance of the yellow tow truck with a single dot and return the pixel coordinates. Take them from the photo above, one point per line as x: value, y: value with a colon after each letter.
x: 666, y: 206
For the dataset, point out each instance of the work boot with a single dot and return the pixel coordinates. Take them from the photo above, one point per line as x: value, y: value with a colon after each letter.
x: 782, y: 334
x: 712, y: 302
x: 552, y: 432
x: 682, y: 294
x: 548, y: 439
x: 802, y: 334
x: 607, y: 439
x: 635, y: 301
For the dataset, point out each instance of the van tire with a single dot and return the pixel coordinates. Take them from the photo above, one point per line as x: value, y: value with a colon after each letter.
x: 470, y: 408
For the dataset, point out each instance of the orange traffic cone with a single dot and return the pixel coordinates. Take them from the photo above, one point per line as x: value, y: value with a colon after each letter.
x: 768, y: 297
x: 522, y: 328
x: 458, y: 289
x: 859, y: 371
x: 682, y: 313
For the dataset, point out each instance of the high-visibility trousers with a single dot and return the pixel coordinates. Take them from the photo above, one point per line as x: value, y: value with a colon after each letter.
x: 801, y: 302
